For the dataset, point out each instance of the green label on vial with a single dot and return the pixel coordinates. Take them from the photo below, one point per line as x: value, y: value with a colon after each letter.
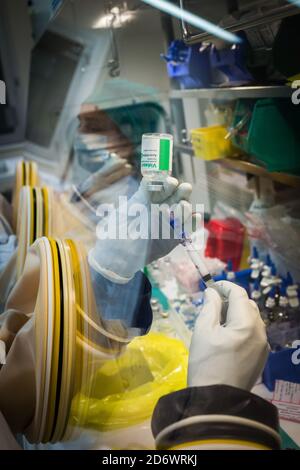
x: 164, y: 154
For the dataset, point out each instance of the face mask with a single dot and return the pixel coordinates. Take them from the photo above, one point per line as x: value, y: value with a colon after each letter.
x: 91, y: 151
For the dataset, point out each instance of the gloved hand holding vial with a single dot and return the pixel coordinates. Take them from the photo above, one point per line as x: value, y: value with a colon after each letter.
x: 144, y: 220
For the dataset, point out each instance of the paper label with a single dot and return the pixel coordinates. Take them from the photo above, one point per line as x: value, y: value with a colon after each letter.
x: 286, y: 398
x: 156, y: 154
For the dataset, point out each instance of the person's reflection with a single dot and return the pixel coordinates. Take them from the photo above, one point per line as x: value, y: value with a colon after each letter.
x: 103, y: 158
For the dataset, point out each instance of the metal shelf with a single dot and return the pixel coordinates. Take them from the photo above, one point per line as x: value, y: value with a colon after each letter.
x: 241, y: 164
x: 185, y: 148
x: 260, y: 16
x: 233, y: 93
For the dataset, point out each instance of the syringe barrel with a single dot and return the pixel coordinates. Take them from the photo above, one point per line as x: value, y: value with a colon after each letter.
x: 197, y: 260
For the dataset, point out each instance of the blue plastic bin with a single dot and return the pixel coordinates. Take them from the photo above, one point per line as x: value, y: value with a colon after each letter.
x: 190, y: 65
x: 280, y: 366
x: 231, y: 61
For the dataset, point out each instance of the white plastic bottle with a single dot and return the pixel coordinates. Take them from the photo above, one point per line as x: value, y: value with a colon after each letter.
x: 156, y: 160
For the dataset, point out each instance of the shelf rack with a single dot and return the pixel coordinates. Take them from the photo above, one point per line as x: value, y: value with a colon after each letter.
x: 241, y: 164
x: 233, y: 93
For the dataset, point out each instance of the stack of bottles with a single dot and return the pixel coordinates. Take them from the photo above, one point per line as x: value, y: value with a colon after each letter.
x: 278, y: 300
x: 277, y: 297
x: 241, y: 277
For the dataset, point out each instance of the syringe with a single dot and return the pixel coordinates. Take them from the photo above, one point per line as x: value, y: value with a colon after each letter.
x: 202, y: 269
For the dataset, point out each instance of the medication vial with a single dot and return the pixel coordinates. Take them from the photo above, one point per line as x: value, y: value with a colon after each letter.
x: 156, y: 161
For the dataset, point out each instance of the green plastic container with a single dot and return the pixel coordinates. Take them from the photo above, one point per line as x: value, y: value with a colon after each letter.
x: 274, y: 135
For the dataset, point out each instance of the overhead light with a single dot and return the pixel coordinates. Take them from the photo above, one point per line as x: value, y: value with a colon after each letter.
x: 115, y: 18
x: 193, y: 20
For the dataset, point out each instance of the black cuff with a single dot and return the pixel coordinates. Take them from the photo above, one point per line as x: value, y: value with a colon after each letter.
x: 256, y: 419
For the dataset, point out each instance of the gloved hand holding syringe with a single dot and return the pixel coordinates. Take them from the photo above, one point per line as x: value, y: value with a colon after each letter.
x: 156, y: 165
x: 199, y: 263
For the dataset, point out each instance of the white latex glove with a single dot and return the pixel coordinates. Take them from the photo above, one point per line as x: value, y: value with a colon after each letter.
x: 113, y: 170
x: 118, y: 260
x: 233, y: 354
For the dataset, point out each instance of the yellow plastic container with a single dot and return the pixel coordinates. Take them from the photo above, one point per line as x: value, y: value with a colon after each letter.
x: 209, y: 143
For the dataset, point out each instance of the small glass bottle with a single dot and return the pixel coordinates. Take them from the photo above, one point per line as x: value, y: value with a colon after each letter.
x: 294, y: 309
x: 293, y: 297
x: 283, y: 303
x: 156, y: 159
x: 267, y: 267
x: 230, y: 274
x: 255, y: 265
x: 256, y: 294
x: 254, y: 257
x: 287, y: 328
x: 269, y: 311
x: 292, y: 291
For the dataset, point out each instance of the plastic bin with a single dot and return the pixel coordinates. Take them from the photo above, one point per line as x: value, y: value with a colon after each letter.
x: 189, y: 65
x: 280, y: 367
x: 209, y: 143
x: 241, y: 123
x: 231, y: 61
x: 225, y: 240
x: 274, y: 135
x: 269, y: 130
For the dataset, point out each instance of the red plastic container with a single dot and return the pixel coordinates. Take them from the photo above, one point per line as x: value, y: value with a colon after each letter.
x: 225, y: 240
